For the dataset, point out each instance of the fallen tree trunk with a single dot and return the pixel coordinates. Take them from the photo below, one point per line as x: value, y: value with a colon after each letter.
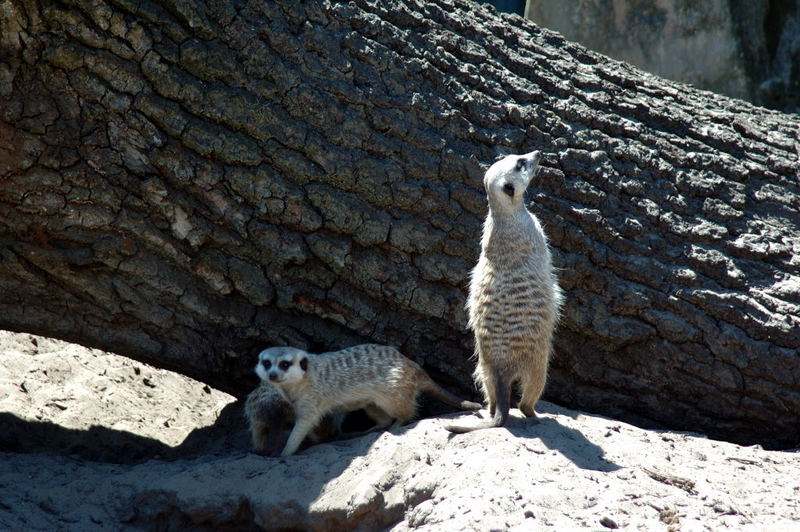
x: 185, y: 182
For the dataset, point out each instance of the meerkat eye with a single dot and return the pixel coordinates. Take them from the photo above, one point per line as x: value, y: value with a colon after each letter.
x: 266, y: 363
x: 508, y: 188
x: 284, y: 365
x: 521, y: 162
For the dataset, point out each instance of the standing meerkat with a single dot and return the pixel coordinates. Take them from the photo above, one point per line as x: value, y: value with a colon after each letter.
x: 377, y: 378
x: 270, y: 418
x: 514, y: 298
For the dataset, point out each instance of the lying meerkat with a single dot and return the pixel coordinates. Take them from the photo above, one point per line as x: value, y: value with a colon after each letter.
x: 270, y: 419
x: 377, y: 378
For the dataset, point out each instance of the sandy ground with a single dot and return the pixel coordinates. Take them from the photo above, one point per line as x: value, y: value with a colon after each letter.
x: 93, y: 441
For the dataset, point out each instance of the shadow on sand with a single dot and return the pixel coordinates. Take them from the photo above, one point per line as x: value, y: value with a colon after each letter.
x: 571, y: 443
x: 103, y: 444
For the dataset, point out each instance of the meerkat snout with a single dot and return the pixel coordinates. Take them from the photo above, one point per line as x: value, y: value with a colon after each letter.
x: 528, y: 162
x: 507, y: 179
x: 272, y: 371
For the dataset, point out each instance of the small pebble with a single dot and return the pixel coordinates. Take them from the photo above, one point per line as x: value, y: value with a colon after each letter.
x: 608, y: 522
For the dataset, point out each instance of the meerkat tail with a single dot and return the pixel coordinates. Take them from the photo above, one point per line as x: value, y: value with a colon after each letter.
x: 450, y: 399
x: 498, y: 420
x: 446, y: 397
x: 502, y: 406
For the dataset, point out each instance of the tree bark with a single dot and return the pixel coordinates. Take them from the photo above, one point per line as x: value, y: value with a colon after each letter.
x: 185, y: 182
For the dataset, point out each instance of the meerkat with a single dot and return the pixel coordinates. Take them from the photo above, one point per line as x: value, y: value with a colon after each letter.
x: 377, y: 378
x: 270, y: 419
x: 514, y: 299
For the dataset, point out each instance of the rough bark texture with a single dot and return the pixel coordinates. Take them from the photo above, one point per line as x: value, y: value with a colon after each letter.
x: 183, y: 182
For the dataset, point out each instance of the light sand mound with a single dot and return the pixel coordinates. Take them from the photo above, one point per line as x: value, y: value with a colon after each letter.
x: 571, y: 471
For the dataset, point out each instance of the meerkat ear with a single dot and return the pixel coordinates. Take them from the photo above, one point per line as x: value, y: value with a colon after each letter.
x: 304, y: 363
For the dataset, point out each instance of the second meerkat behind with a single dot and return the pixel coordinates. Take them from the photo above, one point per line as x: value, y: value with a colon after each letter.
x: 514, y: 298
x: 270, y: 418
x: 377, y: 378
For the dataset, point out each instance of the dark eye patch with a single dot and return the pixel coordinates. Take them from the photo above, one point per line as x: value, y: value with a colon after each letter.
x: 284, y: 365
x: 508, y: 188
x: 266, y: 363
x: 521, y: 162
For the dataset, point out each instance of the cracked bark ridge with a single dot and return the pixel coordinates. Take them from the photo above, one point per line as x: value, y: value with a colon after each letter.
x: 186, y: 181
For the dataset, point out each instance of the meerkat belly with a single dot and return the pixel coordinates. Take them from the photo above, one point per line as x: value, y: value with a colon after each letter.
x: 514, y: 307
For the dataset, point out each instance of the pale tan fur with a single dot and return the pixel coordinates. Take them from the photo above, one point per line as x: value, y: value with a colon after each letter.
x: 377, y: 378
x: 270, y: 419
x: 514, y: 298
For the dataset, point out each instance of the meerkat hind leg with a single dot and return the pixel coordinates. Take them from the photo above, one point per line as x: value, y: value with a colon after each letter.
x: 379, y: 416
x: 529, y: 412
x: 391, y: 413
x: 485, y: 376
x: 381, y: 419
x: 401, y: 410
x: 532, y: 388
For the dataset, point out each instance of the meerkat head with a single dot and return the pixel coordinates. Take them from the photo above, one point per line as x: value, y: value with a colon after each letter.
x: 508, y: 178
x: 282, y: 365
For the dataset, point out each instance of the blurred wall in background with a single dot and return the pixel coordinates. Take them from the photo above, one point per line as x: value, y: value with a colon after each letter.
x: 747, y: 49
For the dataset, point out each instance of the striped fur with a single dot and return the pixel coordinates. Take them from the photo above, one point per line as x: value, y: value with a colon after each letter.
x: 377, y: 378
x: 514, y: 298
